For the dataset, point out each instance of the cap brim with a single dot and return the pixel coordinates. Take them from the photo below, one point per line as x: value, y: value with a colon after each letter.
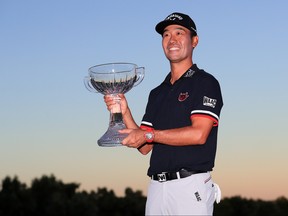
x: 162, y: 25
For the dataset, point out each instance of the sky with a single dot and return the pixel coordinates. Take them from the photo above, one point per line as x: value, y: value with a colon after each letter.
x: 50, y: 123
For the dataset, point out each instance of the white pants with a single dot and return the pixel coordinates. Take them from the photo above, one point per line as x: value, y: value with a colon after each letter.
x: 193, y: 195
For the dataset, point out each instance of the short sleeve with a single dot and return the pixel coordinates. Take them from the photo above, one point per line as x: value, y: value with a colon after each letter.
x: 208, y: 100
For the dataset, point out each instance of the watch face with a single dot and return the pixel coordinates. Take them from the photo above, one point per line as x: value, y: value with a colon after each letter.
x: 149, y: 136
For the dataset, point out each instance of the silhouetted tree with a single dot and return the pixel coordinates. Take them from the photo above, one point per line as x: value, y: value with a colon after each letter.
x: 51, y: 196
x: 13, y: 197
x: 106, y: 201
x: 247, y: 207
x: 133, y: 203
x: 48, y: 196
x: 83, y: 204
x: 282, y: 206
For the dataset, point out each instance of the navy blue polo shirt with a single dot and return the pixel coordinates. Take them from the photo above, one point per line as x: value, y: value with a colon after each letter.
x: 195, y: 93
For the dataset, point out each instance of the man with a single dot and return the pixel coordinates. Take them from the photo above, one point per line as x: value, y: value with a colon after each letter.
x: 179, y: 126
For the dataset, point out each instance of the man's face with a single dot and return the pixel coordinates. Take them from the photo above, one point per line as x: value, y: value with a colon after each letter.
x: 177, y: 43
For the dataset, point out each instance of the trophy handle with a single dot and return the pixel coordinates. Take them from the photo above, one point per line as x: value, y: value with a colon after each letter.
x: 88, y: 84
x: 140, y: 73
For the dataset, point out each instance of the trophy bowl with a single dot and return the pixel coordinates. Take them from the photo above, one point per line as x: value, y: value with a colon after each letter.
x: 113, y: 79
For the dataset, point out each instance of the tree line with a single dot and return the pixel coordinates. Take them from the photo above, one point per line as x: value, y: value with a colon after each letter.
x: 48, y: 196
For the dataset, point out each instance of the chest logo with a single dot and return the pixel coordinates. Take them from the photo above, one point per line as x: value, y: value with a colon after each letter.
x: 183, y: 96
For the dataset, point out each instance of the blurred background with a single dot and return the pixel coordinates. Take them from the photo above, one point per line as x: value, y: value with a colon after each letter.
x: 50, y: 123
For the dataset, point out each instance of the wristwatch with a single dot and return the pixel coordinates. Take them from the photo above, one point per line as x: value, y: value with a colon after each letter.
x: 149, y: 135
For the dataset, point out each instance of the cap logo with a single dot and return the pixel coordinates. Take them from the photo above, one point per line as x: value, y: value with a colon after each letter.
x: 174, y: 16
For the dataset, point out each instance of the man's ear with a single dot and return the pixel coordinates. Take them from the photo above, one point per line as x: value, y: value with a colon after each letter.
x: 195, y: 41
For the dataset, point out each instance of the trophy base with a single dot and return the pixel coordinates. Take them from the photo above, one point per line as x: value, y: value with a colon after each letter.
x: 112, y: 137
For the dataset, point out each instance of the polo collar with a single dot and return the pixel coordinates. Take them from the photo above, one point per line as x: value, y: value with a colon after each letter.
x: 189, y: 73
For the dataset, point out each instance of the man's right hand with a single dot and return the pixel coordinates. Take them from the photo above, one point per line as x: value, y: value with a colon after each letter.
x: 110, y: 102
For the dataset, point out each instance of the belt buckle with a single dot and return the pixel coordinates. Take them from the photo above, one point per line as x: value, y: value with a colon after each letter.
x: 162, y: 177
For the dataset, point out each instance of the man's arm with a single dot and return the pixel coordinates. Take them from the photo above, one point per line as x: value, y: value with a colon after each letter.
x: 128, y: 119
x: 196, y: 134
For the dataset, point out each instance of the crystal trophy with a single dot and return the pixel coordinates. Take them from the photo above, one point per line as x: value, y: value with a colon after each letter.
x: 113, y: 79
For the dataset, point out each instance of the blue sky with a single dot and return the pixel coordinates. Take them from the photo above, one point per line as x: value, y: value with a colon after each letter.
x: 50, y: 123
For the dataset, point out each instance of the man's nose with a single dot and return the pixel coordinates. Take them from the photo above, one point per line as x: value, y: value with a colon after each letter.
x: 172, y: 40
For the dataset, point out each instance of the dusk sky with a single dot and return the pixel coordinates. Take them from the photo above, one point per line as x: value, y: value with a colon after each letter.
x: 50, y: 122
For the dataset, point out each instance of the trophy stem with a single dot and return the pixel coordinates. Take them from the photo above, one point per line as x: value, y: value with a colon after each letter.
x: 112, y: 137
x: 116, y: 112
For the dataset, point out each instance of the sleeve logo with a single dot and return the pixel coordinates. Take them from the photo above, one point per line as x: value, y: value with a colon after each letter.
x: 209, y: 102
